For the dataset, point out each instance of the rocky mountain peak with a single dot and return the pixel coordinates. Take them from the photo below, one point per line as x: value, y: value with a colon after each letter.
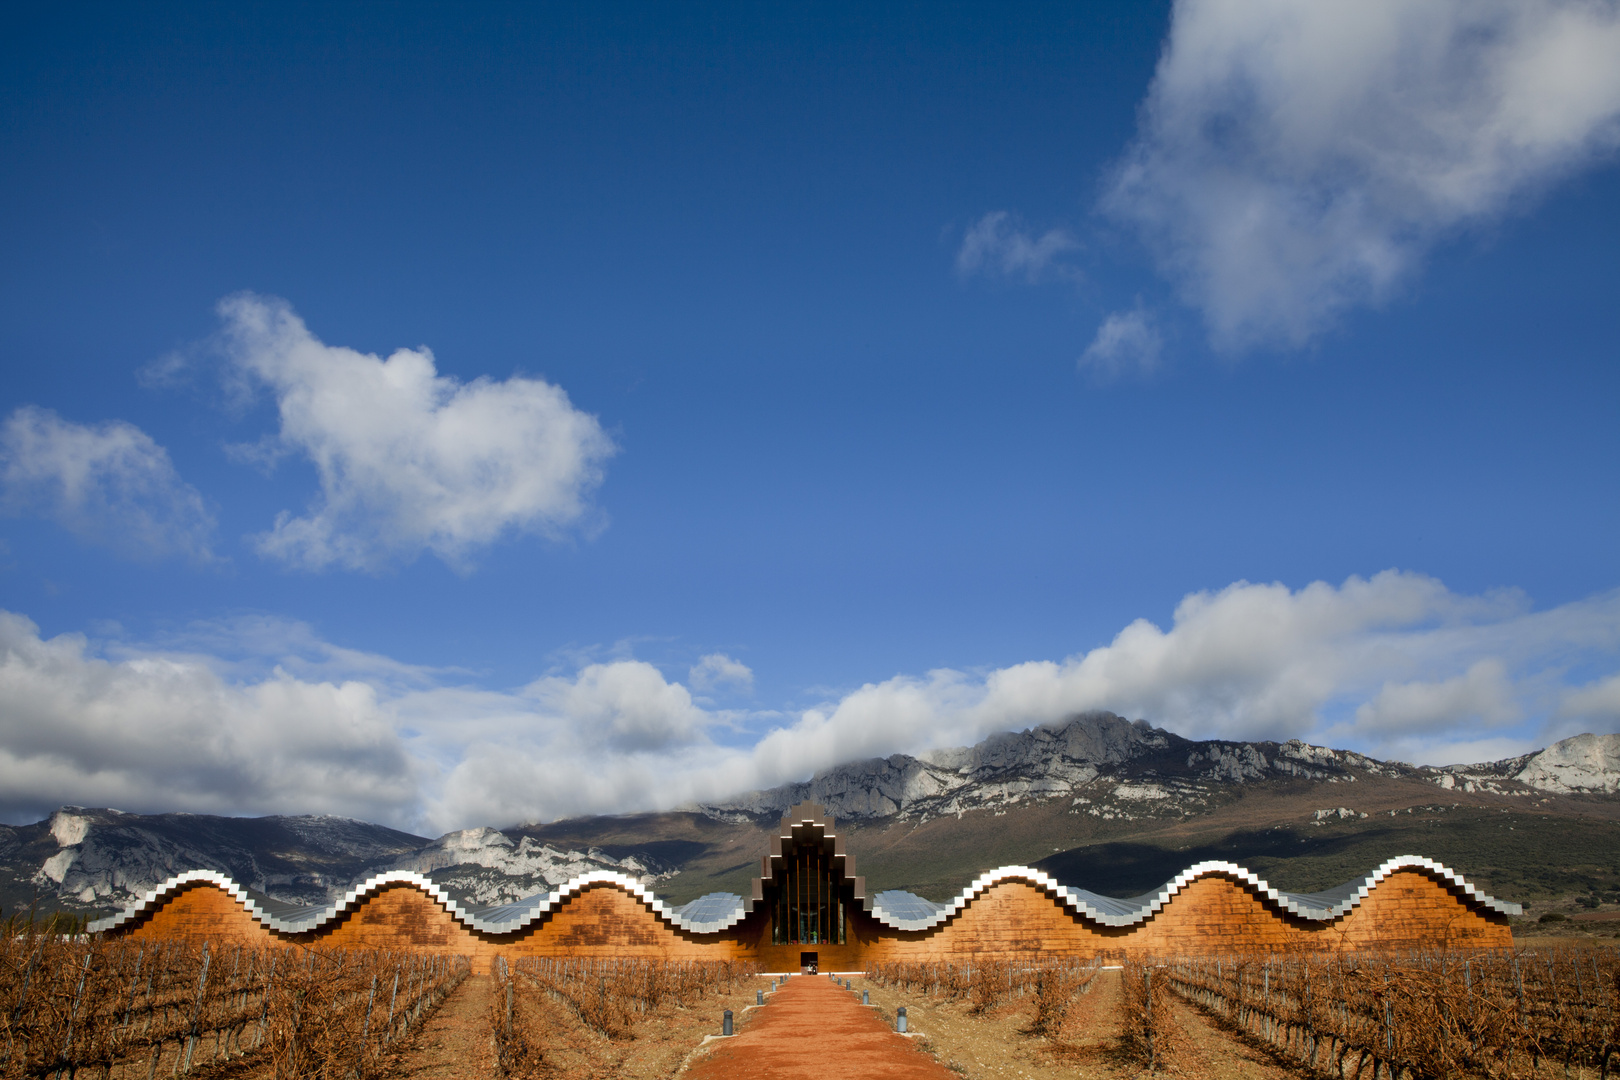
x: 1096, y: 764
x: 1584, y: 763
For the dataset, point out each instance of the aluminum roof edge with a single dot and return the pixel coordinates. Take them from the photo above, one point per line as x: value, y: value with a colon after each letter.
x: 538, y: 904
x: 1151, y: 903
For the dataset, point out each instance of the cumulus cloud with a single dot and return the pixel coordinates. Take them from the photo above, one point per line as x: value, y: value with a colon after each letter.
x: 1127, y: 342
x: 1482, y: 697
x: 1295, y: 159
x: 409, y: 460
x: 998, y: 244
x: 159, y: 732
x: 719, y: 670
x: 1395, y: 665
x: 109, y: 484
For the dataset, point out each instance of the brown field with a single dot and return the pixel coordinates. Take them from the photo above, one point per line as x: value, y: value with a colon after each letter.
x: 130, y: 1009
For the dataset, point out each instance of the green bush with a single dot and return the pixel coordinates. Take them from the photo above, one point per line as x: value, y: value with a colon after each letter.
x: 1552, y: 916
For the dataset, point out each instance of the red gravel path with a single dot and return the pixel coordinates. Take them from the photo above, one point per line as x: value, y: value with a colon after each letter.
x: 812, y: 1029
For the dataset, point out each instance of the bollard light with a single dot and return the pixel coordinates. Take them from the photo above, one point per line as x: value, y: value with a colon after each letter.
x: 759, y: 997
x: 899, y: 1020
x: 866, y: 997
x: 725, y: 1025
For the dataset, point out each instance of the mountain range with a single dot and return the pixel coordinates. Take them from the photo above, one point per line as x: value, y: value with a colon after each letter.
x: 1098, y: 801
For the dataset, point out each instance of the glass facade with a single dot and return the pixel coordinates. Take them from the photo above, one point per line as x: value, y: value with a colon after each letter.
x: 809, y: 908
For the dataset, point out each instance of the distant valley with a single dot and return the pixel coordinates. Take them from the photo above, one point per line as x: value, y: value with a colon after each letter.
x: 1111, y: 805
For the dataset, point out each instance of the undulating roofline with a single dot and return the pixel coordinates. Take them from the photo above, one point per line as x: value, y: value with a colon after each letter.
x: 903, y: 911
x: 895, y: 909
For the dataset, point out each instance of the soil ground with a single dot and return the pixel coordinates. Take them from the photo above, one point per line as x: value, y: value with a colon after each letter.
x: 454, y: 1041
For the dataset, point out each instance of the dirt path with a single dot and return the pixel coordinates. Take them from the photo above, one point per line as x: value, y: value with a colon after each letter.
x: 454, y: 1042
x: 812, y: 1029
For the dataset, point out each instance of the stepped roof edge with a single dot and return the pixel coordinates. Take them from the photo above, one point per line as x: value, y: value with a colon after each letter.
x: 895, y: 909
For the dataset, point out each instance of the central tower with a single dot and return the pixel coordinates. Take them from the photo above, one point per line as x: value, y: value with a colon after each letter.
x: 807, y: 881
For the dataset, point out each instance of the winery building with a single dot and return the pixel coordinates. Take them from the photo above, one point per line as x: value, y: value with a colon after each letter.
x: 809, y: 906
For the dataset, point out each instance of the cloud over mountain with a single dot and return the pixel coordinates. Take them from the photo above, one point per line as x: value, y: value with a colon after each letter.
x: 1396, y: 665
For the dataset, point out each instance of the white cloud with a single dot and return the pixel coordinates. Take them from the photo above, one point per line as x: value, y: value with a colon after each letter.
x: 1297, y: 158
x: 1127, y: 342
x: 410, y: 460
x: 1395, y: 665
x: 154, y: 732
x: 625, y: 705
x: 108, y: 484
x: 995, y: 244
x: 1596, y: 703
x: 1482, y: 695
x: 717, y: 670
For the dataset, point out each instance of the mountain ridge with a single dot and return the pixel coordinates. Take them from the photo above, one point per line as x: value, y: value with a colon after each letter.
x: 1093, y: 781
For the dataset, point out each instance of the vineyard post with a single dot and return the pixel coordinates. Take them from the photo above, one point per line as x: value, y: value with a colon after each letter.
x: 196, y: 1009
x: 1147, y: 992
x: 1389, y: 1020
x: 391, y: 999
x: 134, y: 981
x: 150, y: 973
x: 28, y: 977
x: 73, y: 1013
x: 264, y: 1011
x: 1265, y: 993
x: 1523, y: 1023
x: 1608, y: 1000
x: 365, y: 1028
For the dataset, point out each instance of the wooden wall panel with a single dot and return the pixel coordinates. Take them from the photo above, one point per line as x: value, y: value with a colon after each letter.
x: 1408, y: 910
x: 202, y: 913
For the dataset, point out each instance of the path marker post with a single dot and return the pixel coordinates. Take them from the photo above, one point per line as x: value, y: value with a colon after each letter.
x: 725, y: 1025
x: 900, y: 1019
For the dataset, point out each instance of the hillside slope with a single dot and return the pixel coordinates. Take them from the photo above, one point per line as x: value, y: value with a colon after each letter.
x: 1111, y: 805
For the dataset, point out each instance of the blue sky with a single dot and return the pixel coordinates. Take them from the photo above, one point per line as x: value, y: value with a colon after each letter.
x: 788, y: 385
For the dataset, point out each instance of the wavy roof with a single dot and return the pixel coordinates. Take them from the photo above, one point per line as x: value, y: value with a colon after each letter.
x: 717, y: 911
x: 904, y: 911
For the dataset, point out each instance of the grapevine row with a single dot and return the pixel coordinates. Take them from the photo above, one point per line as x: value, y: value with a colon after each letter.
x: 1421, y: 1016
x: 610, y: 995
x: 989, y: 982
x: 68, y: 1004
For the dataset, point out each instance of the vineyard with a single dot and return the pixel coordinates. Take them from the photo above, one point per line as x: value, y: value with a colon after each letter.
x: 1350, y: 1016
x: 136, y: 1010
x: 1422, y: 1016
x: 989, y: 983
x: 569, y: 1017
x: 140, y: 1009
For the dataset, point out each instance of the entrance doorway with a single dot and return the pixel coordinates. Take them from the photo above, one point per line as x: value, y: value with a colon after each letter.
x: 807, y: 963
